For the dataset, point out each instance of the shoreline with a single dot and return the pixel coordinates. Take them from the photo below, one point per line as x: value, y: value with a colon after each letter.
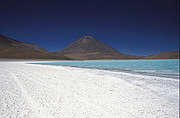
x: 116, y: 70
x: 107, y: 71
x: 22, y: 59
x: 138, y: 71
x: 57, y: 91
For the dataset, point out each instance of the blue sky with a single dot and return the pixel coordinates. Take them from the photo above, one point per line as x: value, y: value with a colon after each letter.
x: 135, y: 27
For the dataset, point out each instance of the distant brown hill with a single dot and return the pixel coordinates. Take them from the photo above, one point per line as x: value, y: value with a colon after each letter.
x: 8, y: 42
x: 90, y: 48
x: 167, y: 55
x: 10, y: 48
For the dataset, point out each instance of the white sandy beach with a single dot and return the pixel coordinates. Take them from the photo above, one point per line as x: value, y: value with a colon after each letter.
x: 41, y: 91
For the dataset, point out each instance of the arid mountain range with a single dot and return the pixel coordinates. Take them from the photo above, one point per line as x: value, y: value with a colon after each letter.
x: 86, y: 48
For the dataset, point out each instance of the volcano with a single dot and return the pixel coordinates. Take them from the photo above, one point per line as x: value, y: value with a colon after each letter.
x: 88, y: 48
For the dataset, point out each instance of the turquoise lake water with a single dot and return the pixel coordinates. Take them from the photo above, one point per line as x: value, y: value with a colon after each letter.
x: 163, y: 68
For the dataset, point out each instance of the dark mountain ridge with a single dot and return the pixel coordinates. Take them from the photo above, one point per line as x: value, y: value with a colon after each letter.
x: 10, y: 48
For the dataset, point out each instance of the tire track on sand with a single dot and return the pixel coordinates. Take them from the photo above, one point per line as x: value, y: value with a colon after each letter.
x: 38, y: 111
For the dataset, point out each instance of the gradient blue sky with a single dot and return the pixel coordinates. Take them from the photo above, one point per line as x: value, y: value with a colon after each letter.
x: 135, y: 27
